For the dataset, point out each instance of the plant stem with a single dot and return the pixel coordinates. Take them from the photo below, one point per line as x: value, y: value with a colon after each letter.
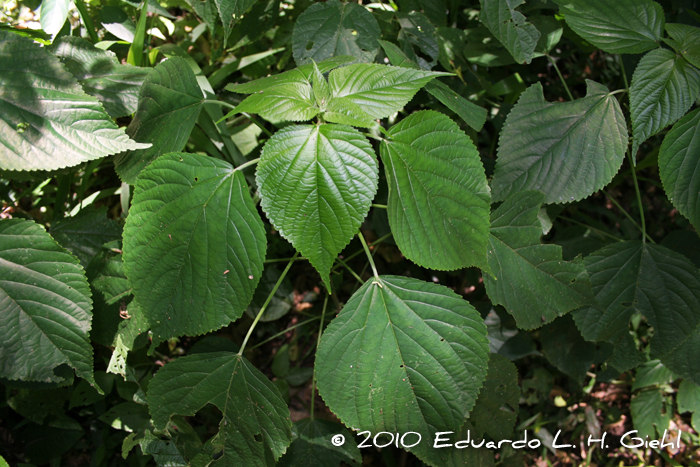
x: 561, y: 77
x: 283, y: 260
x: 248, y: 164
x: 628, y: 216
x: 267, y: 302
x: 87, y: 21
x: 318, y: 342
x: 380, y: 206
x: 350, y: 270
x: 639, y: 195
x: 379, y: 240
x: 285, y: 331
x: 369, y: 255
x: 602, y: 232
x: 624, y: 75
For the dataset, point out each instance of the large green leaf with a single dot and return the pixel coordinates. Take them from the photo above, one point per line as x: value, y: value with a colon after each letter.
x: 567, y: 151
x: 403, y: 355
x: 620, y: 26
x: 530, y: 279
x: 169, y: 103
x: 333, y: 28
x: 312, y: 445
x: 194, y: 245
x: 231, y: 12
x: 377, y: 90
x: 634, y: 277
x: 435, y: 176
x: 316, y: 185
x: 687, y: 39
x: 101, y: 75
x: 679, y: 164
x: 44, y: 304
x: 46, y: 120
x: 510, y: 27
x: 255, y: 429
x: 84, y: 234
x: 53, y: 15
x: 663, y: 88
x: 416, y: 30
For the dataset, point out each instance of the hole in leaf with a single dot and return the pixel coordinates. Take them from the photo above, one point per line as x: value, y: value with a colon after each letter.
x: 218, y: 455
x: 353, y: 32
x: 196, y: 179
x: 258, y: 438
x: 309, y: 45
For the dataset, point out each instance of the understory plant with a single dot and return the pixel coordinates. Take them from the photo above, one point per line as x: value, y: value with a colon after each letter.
x: 284, y: 232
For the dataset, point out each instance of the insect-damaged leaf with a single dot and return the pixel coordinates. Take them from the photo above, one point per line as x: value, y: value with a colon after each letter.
x: 531, y: 280
x: 255, y: 429
x: 510, y: 27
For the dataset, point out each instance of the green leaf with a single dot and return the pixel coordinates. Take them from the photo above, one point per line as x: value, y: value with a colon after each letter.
x: 53, y: 15
x: 45, y: 306
x: 619, y: 27
x: 292, y: 102
x: 679, y: 159
x: 417, y: 30
x: 663, y: 88
x: 652, y: 373
x: 435, y: 175
x: 378, y: 90
x: 125, y: 339
x: 255, y: 429
x: 194, y: 245
x: 312, y: 447
x: 688, y: 397
x: 231, y: 12
x: 84, y: 234
x: 47, y: 121
x: 649, y: 410
x: 566, y: 349
x: 117, y: 23
x: 510, y: 27
x: 688, y: 39
x: 567, y: 151
x: 403, y: 355
x: 207, y: 11
x: 530, y: 279
x: 110, y: 294
x: 169, y: 103
x: 316, y: 185
x: 101, y: 75
x: 496, y: 409
x: 333, y: 28
x: 684, y: 361
x: 298, y: 76
x: 634, y: 277
x: 435, y: 10
x: 322, y: 92
x: 135, y: 54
